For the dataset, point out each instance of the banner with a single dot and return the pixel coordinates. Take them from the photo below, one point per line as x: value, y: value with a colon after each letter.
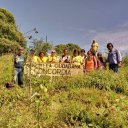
x: 53, y: 69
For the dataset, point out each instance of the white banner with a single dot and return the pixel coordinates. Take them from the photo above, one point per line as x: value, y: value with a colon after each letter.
x: 53, y: 69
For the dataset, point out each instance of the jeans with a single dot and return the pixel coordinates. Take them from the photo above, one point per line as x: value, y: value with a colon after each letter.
x: 19, y: 76
x: 113, y: 67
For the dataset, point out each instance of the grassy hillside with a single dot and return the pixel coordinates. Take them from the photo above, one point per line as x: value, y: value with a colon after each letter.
x: 6, y: 68
x: 96, y: 100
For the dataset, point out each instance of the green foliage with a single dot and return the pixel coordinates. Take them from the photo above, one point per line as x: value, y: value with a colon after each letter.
x: 70, y: 47
x: 40, y: 45
x: 59, y: 48
x: 6, y: 67
x: 93, y: 108
x: 6, y: 16
x: 7, y: 46
x: 98, y: 99
x: 125, y: 61
x: 103, y: 80
x: 10, y: 37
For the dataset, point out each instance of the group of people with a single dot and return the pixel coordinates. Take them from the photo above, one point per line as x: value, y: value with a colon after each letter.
x: 93, y: 60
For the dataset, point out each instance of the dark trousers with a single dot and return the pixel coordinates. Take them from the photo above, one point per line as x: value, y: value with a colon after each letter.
x: 113, y: 67
x: 19, y: 76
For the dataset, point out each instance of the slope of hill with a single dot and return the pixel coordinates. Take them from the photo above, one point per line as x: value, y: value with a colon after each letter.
x: 97, y: 100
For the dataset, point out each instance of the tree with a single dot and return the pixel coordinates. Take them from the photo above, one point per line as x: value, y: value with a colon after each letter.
x: 59, y: 48
x: 10, y: 37
x: 40, y: 45
x: 70, y: 47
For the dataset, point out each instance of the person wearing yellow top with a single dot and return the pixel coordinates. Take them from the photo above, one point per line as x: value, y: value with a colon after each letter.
x: 94, y: 47
x: 77, y: 59
x: 31, y: 57
x: 42, y: 58
x: 53, y: 58
x: 83, y: 55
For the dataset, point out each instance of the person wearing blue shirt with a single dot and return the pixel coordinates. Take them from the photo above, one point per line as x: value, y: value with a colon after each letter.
x: 114, y: 58
x: 19, y: 66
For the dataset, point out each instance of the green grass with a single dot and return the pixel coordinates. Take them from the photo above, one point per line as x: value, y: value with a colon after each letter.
x: 95, y: 100
x: 6, y: 68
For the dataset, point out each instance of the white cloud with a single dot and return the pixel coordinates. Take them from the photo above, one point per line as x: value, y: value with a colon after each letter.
x: 118, y: 37
x: 92, y: 31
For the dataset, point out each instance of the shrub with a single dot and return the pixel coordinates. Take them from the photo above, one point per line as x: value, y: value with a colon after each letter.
x: 99, y: 79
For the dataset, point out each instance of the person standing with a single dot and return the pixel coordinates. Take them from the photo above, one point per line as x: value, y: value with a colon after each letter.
x: 114, y: 58
x: 83, y: 55
x: 100, y: 61
x: 42, y: 58
x: 65, y: 58
x: 31, y: 58
x: 76, y: 59
x: 90, y: 62
x: 94, y: 47
x: 19, y: 66
x: 52, y: 58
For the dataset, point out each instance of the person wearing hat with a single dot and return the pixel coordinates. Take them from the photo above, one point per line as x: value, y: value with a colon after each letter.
x: 32, y: 58
x: 19, y: 67
x: 53, y: 58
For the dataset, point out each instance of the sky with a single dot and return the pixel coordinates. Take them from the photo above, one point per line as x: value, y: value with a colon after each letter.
x: 73, y: 21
